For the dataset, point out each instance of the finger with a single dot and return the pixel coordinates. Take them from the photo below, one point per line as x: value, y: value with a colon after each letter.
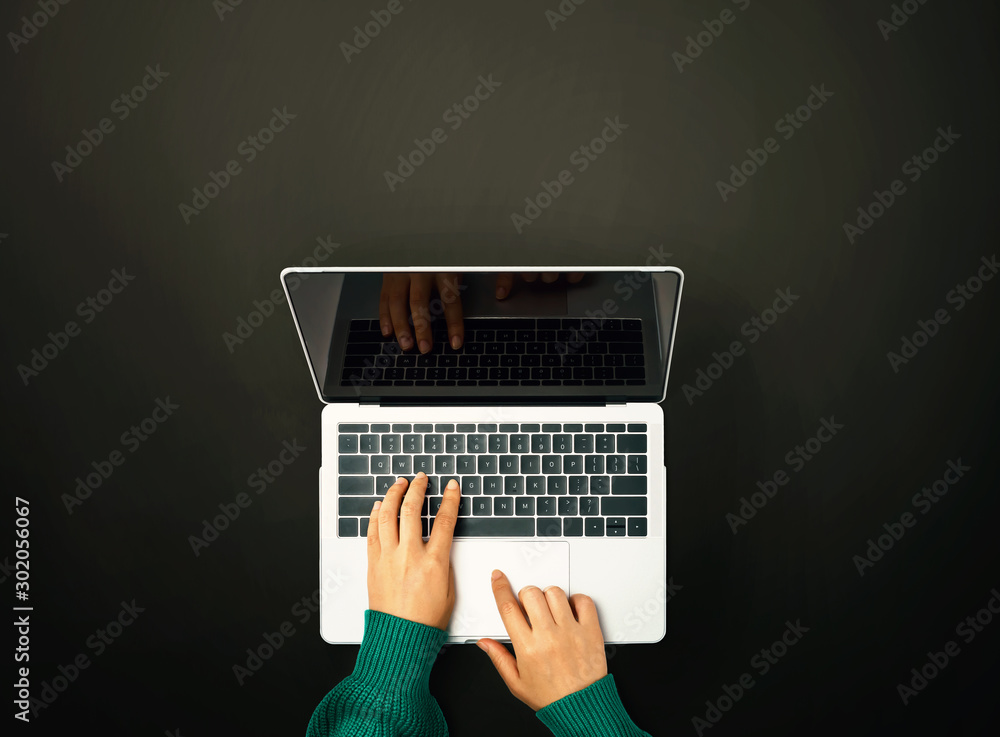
x: 505, y: 283
x: 510, y: 611
x: 398, y: 294
x: 574, y: 277
x: 451, y: 298
x: 529, y: 276
x: 559, y: 606
x: 550, y: 276
x: 444, y: 521
x: 388, y: 527
x: 410, y: 512
x: 536, y: 607
x: 503, y: 661
x: 374, y: 548
x: 384, y: 318
x: 585, y: 611
x: 420, y: 299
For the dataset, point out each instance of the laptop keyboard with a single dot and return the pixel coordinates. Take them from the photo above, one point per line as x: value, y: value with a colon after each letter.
x: 517, y: 479
x: 503, y: 351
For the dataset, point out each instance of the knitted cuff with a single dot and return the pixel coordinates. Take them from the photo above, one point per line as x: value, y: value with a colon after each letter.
x: 590, y: 712
x: 396, y: 654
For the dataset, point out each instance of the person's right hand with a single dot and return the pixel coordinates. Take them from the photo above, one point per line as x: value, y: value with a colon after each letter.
x: 560, y: 652
x: 405, y: 293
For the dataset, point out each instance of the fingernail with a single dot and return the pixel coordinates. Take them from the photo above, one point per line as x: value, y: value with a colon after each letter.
x: 400, y: 480
x: 481, y: 645
x: 501, y: 293
x: 425, y: 345
x: 421, y: 473
x: 456, y: 342
x: 386, y: 328
x: 377, y: 505
x: 453, y: 484
x: 496, y: 574
x: 406, y: 341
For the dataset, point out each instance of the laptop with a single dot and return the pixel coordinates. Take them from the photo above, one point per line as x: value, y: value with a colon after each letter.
x: 547, y: 415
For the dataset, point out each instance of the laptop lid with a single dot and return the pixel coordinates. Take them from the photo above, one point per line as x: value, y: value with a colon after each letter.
x: 619, y: 322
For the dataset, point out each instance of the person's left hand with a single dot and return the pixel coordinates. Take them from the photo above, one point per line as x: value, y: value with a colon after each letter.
x: 407, y: 577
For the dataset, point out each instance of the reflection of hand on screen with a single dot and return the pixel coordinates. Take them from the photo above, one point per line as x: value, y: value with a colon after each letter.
x: 406, y: 300
x: 505, y: 280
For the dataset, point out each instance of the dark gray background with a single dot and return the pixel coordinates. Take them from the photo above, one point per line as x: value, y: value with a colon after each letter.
x: 323, y: 176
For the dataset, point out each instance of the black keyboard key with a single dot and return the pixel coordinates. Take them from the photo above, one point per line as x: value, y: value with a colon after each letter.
x: 631, y: 443
x: 630, y: 485
x: 562, y: 443
x: 498, y: 443
x: 464, y: 507
x: 348, y: 443
x: 545, y: 506
x: 356, y: 485
x: 567, y: 506
x: 616, y: 428
x: 531, y: 464
x: 493, y: 485
x: 557, y: 485
x: 363, y: 526
x: 530, y: 427
x: 590, y: 506
x: 551, y: 427
x: 423, y: 463
x: 465, y: 427
x: 524, y: 507
x: 534, y: 485
x: 503, y: 507
x: 413, y: 444
x: 380, y: 464
x: 508, y: 427
x: 477, y: 443
x: 541, y: 443
x: 355, y: 506
x: 594, y: 464
x: 637, y: 427
x: 615, y: 506
x: 454, y: 443
x: 444, y: 427
x: 472, y: 485
x: 486, y: 464
x: 636, y: 527
x: 595, y: 527
x: 444, y: 464
x: 423, y: 428
x: 401, y: 465
x: 550, y: 527
x: 434, y: 443
x: 354, y: 464
x: 600, y: 484
x: 610, y: 531
x: 551, y: 464
x: 513, y: 485
x: 520, y: 443
x: 352, y: 427
x: 615, y: 464
x: 348, y: 527
x: 465, y: 464
x: 593, y: 427
x: 578, y: 485
x: 583, y: 443
x: 573, y: 527
x: 572, y: 464
x: 368, y: 444
x: 383, y: 484
x: 605, y: 444
x: 636, y: 464
x: 482, y: 507
x: 508, y: 464
x: 391, y: 443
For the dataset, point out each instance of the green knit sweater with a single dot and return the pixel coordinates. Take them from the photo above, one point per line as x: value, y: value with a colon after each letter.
x: 388, y: 694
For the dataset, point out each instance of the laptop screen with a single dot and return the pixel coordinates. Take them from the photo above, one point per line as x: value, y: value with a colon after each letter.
x: 404, y: 337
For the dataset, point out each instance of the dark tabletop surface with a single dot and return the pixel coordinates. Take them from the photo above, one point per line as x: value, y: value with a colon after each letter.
x: 103, y: 220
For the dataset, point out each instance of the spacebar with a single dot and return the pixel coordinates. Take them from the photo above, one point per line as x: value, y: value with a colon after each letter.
x: 495, y: 527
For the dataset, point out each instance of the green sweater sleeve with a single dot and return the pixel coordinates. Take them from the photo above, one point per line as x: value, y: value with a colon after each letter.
x: 388, y: 694
x: 595, y: 711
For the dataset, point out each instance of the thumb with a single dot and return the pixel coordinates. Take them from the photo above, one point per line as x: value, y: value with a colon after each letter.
x: 503, y: 661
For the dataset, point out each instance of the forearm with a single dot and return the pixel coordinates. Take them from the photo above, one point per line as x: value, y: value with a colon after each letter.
x: 595, y: 711
x: 388, y: 692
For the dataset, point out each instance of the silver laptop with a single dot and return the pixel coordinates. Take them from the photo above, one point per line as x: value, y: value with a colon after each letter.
x: 547, y: 415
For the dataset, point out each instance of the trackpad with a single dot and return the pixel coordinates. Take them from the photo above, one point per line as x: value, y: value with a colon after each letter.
x: 541, y: 564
